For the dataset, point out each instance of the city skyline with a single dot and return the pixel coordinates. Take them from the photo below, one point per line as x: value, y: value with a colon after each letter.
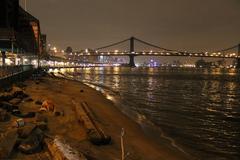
x: 186, y: 25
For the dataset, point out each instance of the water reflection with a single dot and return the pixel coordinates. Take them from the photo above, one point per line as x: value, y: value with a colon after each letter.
x: 199, y: 109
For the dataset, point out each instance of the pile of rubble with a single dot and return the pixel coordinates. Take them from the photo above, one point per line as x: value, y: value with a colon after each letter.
x: 27, y: 132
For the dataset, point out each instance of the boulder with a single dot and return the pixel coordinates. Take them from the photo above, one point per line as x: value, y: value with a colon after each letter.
x: 25, y: 131
x: 8, y: 106
x: 4, y: 116
x: 7, y: 143
x: 33, y: 143
x: 15, y: 101
x: 18, y: 93
x: 38, y: 102
x: 19, y: 114
x: 29, y: 99
x: 6, y: 96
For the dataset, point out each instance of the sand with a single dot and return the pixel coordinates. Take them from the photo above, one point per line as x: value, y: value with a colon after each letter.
x: 62, y: 92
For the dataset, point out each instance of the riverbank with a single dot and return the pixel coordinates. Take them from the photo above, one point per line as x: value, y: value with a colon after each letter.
x: 63, y: 92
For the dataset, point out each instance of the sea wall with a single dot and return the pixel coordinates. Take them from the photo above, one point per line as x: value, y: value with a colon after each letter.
x: 16, y: 77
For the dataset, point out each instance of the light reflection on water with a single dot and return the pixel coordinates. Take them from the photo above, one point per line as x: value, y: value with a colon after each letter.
x: 199, y: 109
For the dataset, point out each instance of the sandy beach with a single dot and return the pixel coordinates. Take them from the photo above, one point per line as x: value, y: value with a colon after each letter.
x: 63, y: 93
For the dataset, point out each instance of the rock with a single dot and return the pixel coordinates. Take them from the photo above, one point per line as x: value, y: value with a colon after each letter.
x: 81, y: 90
x: 7, y: 143
x: 38, y: 102
x: 25, y: 131
x: 5, y: 96
x: 33, y: 143
x: 18, y: 93
x: 8, y: 106
x: 42, y: 125
x: 8, y: 89
x: 15, y: 101
x: 29, y: 99
x: 17, y: 113
x: 4, y: 115
x: 59, y: 113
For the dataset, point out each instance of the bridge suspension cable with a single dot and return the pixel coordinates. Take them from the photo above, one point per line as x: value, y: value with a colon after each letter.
x: 230, y: 48
x: 113, y: 44
x: 155, y: 46
x: 165, y: 49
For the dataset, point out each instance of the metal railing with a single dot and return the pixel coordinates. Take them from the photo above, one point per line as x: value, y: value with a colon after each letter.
x: 6, y: 71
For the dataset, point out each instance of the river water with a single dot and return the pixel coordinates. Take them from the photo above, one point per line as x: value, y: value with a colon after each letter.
x: 197, y: 110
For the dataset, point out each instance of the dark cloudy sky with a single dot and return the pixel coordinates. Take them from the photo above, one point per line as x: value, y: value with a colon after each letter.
x: 194, y: 25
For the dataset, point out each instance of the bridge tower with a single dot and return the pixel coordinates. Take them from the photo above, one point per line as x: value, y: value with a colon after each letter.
x: 238, y: 58
x: 132, y: 54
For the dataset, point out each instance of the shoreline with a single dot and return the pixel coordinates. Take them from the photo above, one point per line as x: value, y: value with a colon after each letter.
x: 62, y: 91
x: 165, y: 140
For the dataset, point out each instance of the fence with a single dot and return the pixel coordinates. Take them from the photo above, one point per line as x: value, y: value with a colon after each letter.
x: 12, y: 74
x: 6, y: 71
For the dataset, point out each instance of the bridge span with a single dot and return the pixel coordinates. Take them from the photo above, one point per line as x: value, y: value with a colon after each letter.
x: 231, y: 52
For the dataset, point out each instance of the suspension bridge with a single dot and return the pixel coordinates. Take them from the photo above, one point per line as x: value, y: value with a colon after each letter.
x: 130, y: 47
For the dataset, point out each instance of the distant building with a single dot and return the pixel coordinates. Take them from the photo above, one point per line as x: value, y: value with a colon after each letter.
x: 81, y: 56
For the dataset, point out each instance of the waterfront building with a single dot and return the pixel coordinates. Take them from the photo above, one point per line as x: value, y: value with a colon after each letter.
x: 20, y: 33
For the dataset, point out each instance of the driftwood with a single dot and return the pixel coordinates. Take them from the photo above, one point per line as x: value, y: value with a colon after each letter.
x: 7, y: 143
x: 95, y: 133
x: 60, y: 150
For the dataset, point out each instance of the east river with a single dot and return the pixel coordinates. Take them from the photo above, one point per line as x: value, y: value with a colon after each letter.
x: 196, y: 110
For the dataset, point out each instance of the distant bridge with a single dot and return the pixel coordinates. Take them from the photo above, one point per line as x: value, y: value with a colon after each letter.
x: 155, y: 50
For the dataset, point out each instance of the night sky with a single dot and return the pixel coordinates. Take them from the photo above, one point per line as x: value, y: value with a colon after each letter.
x: 194, y: 25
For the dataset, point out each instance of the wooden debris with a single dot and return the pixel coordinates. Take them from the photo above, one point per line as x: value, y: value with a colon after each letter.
x: 95, y: 133
x: 60, y: 150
